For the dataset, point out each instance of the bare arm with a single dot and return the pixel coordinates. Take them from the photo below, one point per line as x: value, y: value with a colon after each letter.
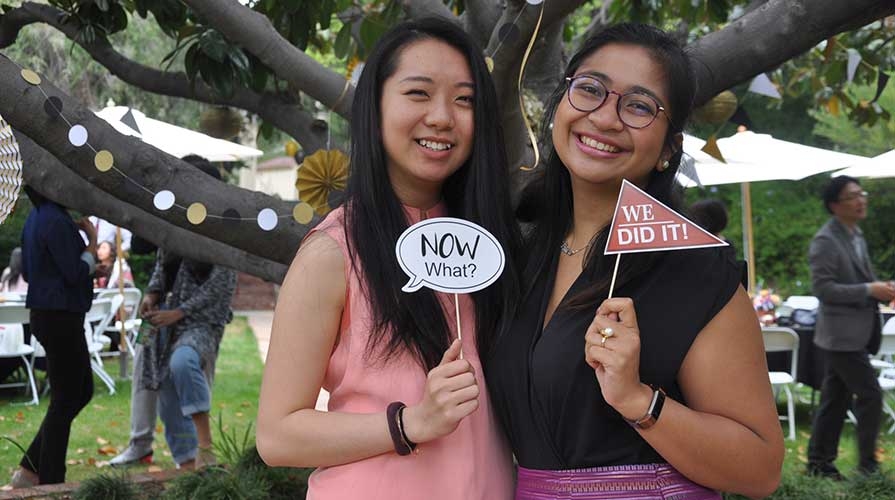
x: 305, y: 328
x: 305, y: 331
x: 728, y: 437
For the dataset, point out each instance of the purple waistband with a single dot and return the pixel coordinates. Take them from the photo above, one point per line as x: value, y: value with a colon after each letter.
x: 629, y: 482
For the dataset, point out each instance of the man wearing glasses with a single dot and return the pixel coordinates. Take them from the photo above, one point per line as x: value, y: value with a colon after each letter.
x: 847, y: 331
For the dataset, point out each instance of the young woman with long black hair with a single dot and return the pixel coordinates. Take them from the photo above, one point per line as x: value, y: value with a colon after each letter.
x: 424, y: 144
x: 671, y: 400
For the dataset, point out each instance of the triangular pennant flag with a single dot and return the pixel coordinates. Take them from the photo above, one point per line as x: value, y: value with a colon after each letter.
x: 854, y: 58
x: 129, y: 120
x: 881, y: 80
x: 763, y: 85
x: 711, y: 148
x: 642, y: 223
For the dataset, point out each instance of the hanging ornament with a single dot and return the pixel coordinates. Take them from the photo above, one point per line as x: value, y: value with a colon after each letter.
x: 267, y: 219
x: 303, y: 213
x: 718, y: 110
x: 30, y: 77
x: 10, y: 170
x: 291, y: 148
x: 77, y: 135
x: 103, y: 161
x: 711, y: 148
x: 196, y: 213
x: 318, y: 175
x: 163, y: 200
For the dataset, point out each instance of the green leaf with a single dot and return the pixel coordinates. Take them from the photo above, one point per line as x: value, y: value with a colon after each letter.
x: 343, y: 42
x: 213, y: 45
x: 371, y: 29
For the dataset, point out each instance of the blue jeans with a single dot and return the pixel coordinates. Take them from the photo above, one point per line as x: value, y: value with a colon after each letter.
x: 183, y: 392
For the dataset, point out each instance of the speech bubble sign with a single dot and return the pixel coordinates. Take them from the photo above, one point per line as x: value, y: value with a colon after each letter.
x: 449, y: 255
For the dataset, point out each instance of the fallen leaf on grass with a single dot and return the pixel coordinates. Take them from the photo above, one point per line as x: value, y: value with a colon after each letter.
x: 107, y: 450
x: 99, y: 407
x: 245, y: 404
x: 72, y: 461
x: 102, y: 463
x: 91, y: 461
x: 102, y: 441
x: 80, y: 450
x: 239, y: 414
x: 153, y: 468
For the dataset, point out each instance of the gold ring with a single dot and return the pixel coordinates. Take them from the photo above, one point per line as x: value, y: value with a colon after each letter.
x: 607, y: 332
x: 603, y: 341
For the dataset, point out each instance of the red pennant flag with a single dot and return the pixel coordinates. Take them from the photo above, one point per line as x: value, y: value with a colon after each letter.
x: 642, y: 223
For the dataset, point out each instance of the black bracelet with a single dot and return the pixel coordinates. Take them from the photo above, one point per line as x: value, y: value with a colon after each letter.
x: 410, y: 444
x: 392, y: 414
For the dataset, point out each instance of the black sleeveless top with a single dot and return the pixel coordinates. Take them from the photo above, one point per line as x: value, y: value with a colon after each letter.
x: 548, y: 398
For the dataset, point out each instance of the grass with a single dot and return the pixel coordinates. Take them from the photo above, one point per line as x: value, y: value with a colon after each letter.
x: 102, y: 428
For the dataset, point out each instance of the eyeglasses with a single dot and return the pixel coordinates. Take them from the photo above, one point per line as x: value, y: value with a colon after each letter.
x: 854, y: 196
x: 635, y: 109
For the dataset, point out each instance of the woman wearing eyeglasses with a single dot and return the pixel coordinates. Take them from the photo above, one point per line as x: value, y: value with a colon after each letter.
x: 661, y: 392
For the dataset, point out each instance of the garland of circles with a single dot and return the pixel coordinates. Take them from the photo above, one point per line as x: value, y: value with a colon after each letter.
x: 196, y: 213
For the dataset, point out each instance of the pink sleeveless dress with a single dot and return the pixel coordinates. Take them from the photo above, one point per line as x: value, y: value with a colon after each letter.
x: 472, y: 463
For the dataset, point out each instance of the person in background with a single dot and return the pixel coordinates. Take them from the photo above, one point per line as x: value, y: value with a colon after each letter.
x: 106, y: 231
x: 188, y: 304
x: 13, y: 280
x: 58, y: 267
x: 847, y: 331
x: 711, y: 215
x: 110, y: 267
x: 628, y: 397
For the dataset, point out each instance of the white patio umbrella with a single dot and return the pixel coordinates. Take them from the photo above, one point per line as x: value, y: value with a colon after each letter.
x: 752, y: 157
x: 875, y: 168
x: 174, y: 140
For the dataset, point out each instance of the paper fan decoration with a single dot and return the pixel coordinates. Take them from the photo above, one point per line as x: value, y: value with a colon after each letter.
x: 10, y: 170
x: 319, y: 175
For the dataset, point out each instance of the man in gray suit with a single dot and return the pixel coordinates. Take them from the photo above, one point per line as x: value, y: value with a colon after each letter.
x: 847, y: 330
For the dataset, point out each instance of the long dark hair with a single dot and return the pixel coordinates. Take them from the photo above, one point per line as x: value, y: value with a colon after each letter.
x: 374, y: 217
x: 551, y: 192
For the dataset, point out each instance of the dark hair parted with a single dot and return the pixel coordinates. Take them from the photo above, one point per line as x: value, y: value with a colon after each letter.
x: 374, y: 216
x: 551, y: 190
x: 710, y: 214
x: 834, y: 188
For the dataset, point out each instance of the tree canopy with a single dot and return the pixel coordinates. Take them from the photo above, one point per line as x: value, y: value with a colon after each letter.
x: 257, y: 56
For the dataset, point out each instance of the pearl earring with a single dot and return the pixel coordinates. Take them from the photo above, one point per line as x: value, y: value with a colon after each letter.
x: 663, y: 166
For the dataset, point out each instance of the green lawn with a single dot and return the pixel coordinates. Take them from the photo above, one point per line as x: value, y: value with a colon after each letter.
x: 105, y: 423
x: 103, y: 426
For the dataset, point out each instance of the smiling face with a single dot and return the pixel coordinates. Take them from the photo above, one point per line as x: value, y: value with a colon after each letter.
x: 427, y: 118
x: 597, y: 147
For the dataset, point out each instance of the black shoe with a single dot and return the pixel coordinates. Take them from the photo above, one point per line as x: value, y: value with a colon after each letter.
x: 868, y: 470
x: 828, y: 471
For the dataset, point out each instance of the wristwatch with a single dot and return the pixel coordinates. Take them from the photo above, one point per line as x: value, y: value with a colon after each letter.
x: 652, y: 413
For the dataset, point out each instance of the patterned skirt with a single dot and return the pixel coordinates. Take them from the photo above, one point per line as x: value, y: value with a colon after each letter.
x: 629, y: 482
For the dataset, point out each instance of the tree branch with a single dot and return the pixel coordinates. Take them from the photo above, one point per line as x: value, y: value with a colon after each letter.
x: 53, y: 179
x: 270, y: 107
x: 770, y: 35
x: 21, y: 104
x: 255, y: 33
x: 417, y: 9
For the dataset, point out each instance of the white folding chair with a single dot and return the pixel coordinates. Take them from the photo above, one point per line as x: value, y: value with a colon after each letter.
x: 781, y: 339
x: 101, y: 313
x: 12, y: 317
x: 131, y: 302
